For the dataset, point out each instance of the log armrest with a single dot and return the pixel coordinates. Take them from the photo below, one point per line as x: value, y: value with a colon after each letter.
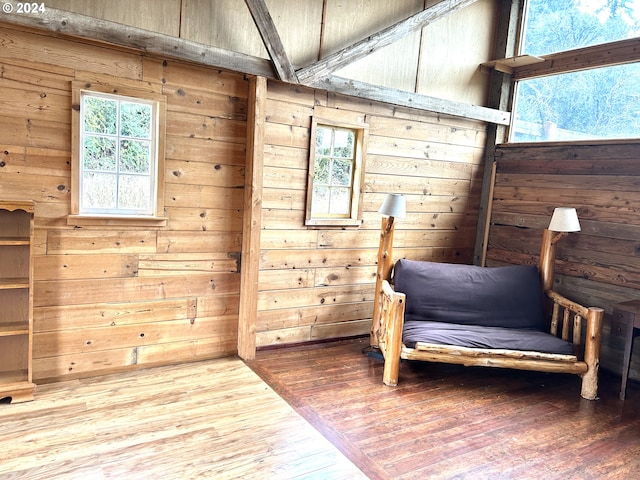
x: 390, y: 331
x: 568, y: 315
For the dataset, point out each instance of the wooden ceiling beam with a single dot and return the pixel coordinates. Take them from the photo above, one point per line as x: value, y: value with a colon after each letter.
x: 267, y: 29
x: 331, y: 63
x: 77, y: 25
x: 354, y: 88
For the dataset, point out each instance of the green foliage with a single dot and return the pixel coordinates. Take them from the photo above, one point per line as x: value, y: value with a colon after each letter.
x: 135, y: 120
x: 99, y: 153
x: 135, y: 156
x: 100, y: 115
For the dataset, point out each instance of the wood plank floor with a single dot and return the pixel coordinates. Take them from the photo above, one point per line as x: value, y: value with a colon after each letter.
x: 455, y: 422
x: 214, y: 420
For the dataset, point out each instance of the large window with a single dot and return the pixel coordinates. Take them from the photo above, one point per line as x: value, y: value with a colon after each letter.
x: 335, y: 173
x: 589, y: 103
x: 118, y: 154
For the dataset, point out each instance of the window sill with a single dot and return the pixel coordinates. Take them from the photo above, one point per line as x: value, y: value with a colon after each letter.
x: 116, y: 221
x: 323, y: 222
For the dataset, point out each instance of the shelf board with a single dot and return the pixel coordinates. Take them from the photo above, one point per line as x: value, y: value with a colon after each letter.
x: 13, y: 379
x: 506, y: 65
x: 13, y: 329
x: 14, y: 241
x: 13, y: 283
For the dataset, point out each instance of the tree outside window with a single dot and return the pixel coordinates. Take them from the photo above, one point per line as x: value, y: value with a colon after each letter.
x: 599, y: 103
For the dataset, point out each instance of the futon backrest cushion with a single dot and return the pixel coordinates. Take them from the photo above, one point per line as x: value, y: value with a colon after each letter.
x: 508, y: 296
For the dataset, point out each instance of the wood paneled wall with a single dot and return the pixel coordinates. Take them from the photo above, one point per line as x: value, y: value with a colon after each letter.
x: 113, y: 298
x: 110, y: 298
x: 441, y: 61
x: 319, y: 283
x: 598, y: 266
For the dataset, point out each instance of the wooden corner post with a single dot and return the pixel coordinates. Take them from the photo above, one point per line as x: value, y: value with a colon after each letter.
x: 251, y: 222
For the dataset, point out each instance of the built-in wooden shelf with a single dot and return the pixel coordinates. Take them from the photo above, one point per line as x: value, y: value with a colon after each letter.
x: 506, y: 65
x: 11, y: 378
x: 16, y: 300
x: 13, y: 283
x: 14, y: 241
x: 14, y: 328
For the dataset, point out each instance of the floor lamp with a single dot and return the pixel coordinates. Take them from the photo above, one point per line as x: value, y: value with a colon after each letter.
x: 563, y: 221
x: 394, y: 206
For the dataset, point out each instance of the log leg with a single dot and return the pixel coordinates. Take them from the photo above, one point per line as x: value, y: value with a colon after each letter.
x: 592, y: 354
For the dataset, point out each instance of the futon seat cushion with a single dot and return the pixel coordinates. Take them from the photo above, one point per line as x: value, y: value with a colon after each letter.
x: 506, y: 297
x: 474, y: 336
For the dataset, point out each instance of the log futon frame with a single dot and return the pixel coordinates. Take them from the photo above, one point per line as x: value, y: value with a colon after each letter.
x: 566, y: 318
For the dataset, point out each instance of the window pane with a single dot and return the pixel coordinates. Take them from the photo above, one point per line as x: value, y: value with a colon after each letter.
x: 321, y: 171
x: 323, y: 140
x: 100, y: 115
x: 559, y: 25
x: 341, y: 173
x: 343, y: 146
x: 135, y: 156
x: 99, y: 153
x: 134, y: 192
x: 320, y: 200
x: 99, y: 190
x: 340, y: 201
x: 135, y: 120
x: 600, y: 103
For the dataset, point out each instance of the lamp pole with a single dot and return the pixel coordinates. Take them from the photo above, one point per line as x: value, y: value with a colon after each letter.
x: 385, y: 262
x: 563, y: 221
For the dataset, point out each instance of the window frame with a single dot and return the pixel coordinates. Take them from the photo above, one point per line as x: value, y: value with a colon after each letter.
x: 142, y: 95
x: 361, y: 129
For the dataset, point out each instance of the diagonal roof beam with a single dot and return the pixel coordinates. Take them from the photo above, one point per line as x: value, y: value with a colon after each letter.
x: 314, y: 72
x: 367, y: 91
x: 267, y: 29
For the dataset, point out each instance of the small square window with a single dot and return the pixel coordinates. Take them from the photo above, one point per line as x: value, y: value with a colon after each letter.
x: 336, y: 170
x: 118, y: 154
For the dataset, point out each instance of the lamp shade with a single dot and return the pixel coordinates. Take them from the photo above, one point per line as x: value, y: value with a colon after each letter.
x: 564, y: 219
x: 395, y: 205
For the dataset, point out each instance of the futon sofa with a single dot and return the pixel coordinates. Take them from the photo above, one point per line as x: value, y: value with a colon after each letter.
x: 485, y: 316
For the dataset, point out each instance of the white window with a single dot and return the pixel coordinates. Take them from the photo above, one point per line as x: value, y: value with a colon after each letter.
x: 118, y: 156
x: 336, y: 170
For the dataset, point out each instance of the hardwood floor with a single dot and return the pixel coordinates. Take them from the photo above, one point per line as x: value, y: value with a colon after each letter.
x: 453, y: 422
x: 213, y: 420
x: 218, y: 420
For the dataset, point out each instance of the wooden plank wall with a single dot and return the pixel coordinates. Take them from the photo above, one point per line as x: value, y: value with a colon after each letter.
x: 319, y: 283
x: 109, y: 298
x: 441, y: 61
x: 598, y: 266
